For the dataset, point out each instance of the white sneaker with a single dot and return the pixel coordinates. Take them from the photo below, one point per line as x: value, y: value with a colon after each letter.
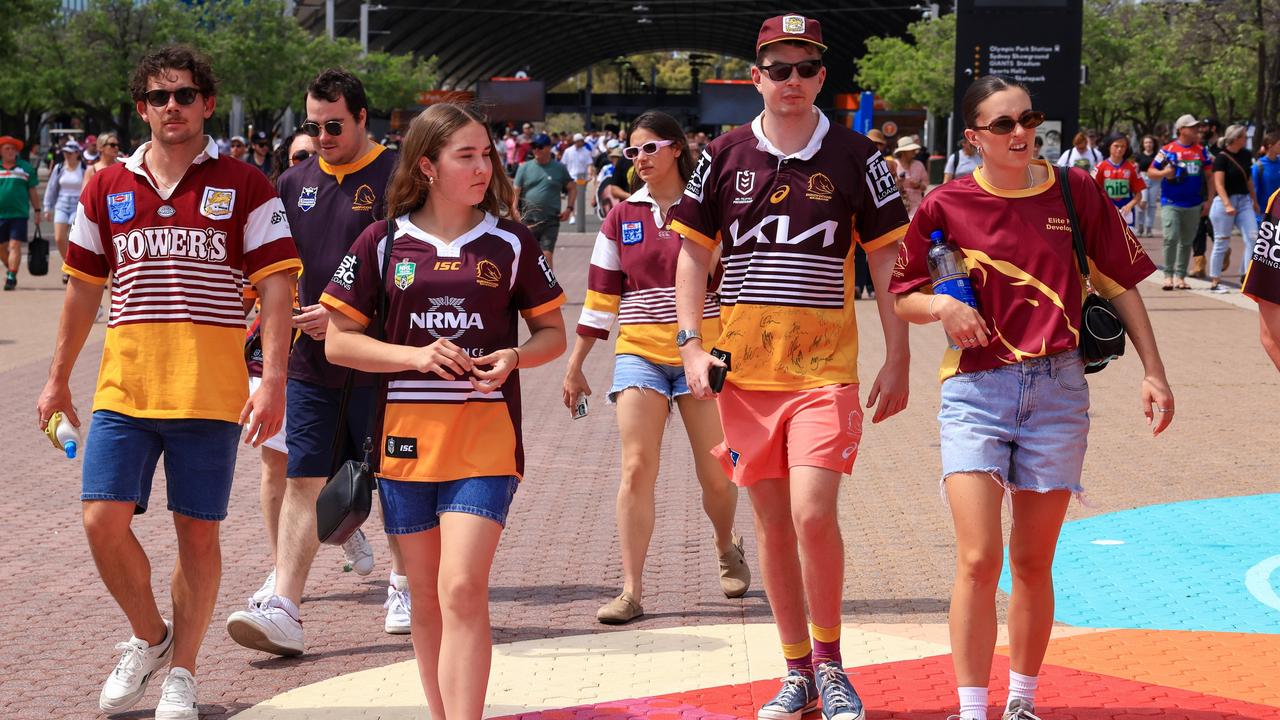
x: 178, y: 697
x: 398, y: 606
x: 267, y: 627
x: 264, y: 593
x: 138, y: 662
x: 359, y: 554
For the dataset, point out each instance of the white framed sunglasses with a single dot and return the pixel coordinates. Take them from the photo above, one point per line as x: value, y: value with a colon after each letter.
x: 649, y: 148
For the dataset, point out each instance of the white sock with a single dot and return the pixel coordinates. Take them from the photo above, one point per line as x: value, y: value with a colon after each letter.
x: 1022, y: 686
x: 399, y: 582
x: 973, y: 703
x: 287, y: 605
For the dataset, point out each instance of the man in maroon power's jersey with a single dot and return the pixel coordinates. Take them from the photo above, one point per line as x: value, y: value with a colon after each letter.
x: 179, y: 229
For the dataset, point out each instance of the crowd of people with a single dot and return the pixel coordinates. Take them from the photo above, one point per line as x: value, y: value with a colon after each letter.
x: 386, y: 290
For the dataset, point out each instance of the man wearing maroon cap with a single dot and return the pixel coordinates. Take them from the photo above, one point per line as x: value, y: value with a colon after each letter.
x: 787, y: 199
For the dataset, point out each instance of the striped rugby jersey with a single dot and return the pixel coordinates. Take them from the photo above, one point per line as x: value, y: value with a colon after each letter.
x: 632, y: 280
x: 788, y: 226
x: 178, y: 262
x: 471, y: 292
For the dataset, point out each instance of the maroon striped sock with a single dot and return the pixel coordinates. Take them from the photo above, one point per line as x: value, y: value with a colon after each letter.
x: 803, y: 664
x: 825, y: 652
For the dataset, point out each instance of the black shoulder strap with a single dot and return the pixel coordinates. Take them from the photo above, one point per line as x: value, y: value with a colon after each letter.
x: 1077, y: 237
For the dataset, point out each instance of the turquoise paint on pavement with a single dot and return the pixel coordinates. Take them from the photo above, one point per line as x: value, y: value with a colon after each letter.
x: 1198, y: 565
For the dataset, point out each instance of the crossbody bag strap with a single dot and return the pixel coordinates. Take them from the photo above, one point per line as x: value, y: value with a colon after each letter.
x: 383, y: 303
x: 1077, y: 238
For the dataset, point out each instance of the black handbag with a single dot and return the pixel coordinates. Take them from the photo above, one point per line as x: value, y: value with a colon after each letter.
x: 1101, y: 331
x: 347, y: 498
x: 38, y: 254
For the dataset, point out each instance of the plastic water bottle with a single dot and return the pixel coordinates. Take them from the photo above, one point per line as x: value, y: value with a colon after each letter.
x: 949, y: 272
x: 63, y: 434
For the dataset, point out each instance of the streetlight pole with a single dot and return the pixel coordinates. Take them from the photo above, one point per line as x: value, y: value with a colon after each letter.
x: 328, y: 18
x: 364, y: 29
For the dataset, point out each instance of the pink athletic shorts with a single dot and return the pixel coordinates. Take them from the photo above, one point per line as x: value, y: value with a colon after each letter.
x: 768, y: 432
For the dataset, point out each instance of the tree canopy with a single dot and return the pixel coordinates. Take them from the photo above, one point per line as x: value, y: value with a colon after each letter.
x: 79, y: 64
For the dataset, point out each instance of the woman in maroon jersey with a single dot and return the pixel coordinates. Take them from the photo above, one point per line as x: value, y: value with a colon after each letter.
x: 459, y: 269
x: 1015, y: 401
x: 632, y: 281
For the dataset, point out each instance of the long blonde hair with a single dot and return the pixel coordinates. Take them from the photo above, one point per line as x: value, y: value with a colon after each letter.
x: 428, y: 133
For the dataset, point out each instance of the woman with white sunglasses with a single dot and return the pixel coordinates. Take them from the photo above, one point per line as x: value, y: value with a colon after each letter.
x: 632, y: 280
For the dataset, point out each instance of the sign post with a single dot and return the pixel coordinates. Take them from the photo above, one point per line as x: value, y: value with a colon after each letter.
x: 1037, y: 43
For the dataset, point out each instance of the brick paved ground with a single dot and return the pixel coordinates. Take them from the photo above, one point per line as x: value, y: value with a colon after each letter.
x: 558, y: 561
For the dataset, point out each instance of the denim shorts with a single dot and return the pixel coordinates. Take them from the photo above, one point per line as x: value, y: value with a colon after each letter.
x: 1026, y: 424
x: 312, y: 415
x: 64, y: 210
x: 633, y: 371
x: 121, y: 453
x: 410, y: 507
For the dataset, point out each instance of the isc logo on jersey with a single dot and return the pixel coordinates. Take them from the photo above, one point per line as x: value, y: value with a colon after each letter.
x: 446, y: 319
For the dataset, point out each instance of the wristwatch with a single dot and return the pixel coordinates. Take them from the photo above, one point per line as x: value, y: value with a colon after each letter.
x: 684, y: 336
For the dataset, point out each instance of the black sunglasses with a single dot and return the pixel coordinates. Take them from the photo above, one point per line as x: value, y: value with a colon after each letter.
x: 160, y: 98
x: 311, y: 128
x: 1003, y: 125
x: 300, y: 155
x: 780, y: 71
x: 115, y: 145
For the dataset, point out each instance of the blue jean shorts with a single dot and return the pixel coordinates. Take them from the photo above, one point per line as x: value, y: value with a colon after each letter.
x: 633, y: 371
x: 410, y: 507
x: 121, y: 453
x: 1026, y: 424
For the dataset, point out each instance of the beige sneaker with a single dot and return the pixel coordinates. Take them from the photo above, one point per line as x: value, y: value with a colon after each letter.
x: 735, y: 575
x: 622, y: 609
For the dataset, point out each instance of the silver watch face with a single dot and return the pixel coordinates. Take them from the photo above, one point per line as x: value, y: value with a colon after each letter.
x: 683, y: 337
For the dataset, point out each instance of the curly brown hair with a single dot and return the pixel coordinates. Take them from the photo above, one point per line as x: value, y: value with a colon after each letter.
x: 428, y: 133
x: 173, y: 57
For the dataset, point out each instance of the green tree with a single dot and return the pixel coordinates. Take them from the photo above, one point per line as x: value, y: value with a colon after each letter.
x: 919, y: 72
x: 28, y: 87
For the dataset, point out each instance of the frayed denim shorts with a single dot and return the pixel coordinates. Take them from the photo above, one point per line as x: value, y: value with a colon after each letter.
x: 1025, y: 424
x: 633, y: 371
x: 413, y: 506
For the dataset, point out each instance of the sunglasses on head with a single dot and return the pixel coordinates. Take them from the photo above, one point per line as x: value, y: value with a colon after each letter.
x: 311, y: 128
x: 1004, y: 124
x: 300, y: 155
x: 160, y: 98
x: 780, y: 71
x: 649, y: 148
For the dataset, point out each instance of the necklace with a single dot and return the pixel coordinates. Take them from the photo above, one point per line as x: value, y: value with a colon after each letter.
x: 1031, y: 179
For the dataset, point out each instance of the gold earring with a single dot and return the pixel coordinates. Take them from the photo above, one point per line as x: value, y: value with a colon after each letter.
x: 430, y: 179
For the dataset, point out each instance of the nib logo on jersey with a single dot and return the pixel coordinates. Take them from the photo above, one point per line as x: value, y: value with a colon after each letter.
x: 165, y: 242
x: 446, y: 319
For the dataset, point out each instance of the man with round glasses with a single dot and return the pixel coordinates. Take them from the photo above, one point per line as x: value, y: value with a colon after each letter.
x: 786, y: 199
x: 329, y: 200
x: 179, y: 229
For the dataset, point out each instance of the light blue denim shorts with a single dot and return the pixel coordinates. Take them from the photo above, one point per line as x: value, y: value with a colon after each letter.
x: 633, y: 371
x: 1026, y: 424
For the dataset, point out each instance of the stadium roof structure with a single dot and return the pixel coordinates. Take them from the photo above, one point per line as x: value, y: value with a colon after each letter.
x: 552, y: 40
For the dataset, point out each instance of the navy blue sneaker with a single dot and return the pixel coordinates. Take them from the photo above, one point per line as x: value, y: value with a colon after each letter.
x: 798, y: 695
x: 839, y: 700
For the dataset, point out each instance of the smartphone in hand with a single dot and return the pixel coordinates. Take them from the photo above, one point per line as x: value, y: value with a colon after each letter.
x: 716, y: 376
x: 580, y: 408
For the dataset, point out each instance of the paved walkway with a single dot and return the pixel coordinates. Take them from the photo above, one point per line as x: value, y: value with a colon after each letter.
x: 1213, y: 566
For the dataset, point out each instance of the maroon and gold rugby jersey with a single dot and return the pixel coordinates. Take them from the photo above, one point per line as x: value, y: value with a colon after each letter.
x: 471, y: 292
x: 788, y: 225
x: 328, y: 207
x: 178, y: 262
x: 1262, y: 281
x: 632, y: 280
x: 1017, y: 245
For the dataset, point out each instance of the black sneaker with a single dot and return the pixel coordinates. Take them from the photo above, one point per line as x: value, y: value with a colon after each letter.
x: 10, y: 281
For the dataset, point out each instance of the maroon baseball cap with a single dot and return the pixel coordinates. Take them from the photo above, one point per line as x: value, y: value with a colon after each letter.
x: 790, y: 27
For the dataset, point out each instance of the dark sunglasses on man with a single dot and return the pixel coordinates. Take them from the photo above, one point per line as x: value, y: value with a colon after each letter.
x: 311, y: 128
x: 781, y: 72
x: 1004, y: 124
x: 160, y: 98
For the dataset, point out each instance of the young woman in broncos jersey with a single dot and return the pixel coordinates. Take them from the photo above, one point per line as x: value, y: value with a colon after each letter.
x: 1017, y: 351
x: 632, y: 280
x: 459, y: 271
